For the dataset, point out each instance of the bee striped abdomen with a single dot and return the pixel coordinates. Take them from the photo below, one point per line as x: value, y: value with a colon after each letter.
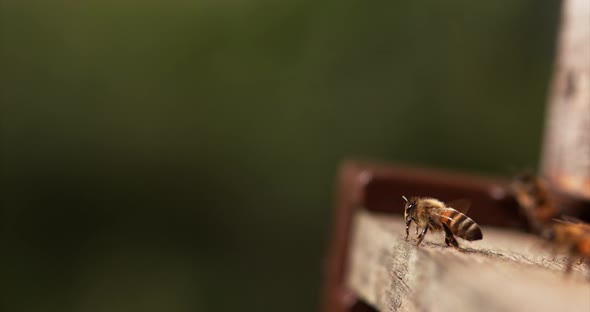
x: 584, y: 247
x: 461, y: 225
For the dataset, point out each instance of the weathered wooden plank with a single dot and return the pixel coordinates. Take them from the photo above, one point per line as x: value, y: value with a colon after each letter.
x: 566, y: 154
x: 506, y: 271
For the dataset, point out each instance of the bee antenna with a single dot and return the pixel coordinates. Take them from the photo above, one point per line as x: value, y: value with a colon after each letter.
x: 405, y: 198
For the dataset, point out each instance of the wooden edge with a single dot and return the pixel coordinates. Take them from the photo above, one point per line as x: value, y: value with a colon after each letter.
x: 507, y: 271
x: 348, y: 198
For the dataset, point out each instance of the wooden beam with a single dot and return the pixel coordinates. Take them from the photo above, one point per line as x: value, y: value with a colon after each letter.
x: 566, y: 154
x: 506, y: 271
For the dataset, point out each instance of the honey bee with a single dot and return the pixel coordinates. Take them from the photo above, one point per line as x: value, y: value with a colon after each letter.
x: 430, y: 213
x: 571, y: 238
x: 535, y: 200
x: 566, y: 234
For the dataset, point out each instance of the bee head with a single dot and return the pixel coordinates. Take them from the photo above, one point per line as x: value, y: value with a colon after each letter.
x: 527, y: 183
x: 548, y: 234
x: 409, y: 206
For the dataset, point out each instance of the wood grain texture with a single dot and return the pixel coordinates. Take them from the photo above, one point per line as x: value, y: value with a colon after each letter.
x: 506, y: 271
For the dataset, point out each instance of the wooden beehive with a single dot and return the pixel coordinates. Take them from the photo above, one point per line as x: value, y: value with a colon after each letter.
x: 372, y: 268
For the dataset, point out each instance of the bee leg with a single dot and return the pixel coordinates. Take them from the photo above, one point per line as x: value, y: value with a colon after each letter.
x: 580, y: 261
x: 408, y: 223
x: 568, y: 264
x: 422, y: 234
x: 449, y: 237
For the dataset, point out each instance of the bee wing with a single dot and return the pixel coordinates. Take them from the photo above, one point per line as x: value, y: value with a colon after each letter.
x: 573, y: 221
x: 462, y: 205
x: 561, y: 221
x: 569, y: 219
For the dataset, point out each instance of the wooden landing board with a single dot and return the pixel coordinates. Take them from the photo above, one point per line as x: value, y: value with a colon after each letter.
x: 506, y: 271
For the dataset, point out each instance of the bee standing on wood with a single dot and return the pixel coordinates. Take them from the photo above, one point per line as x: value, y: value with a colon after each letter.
x: 430, y: 213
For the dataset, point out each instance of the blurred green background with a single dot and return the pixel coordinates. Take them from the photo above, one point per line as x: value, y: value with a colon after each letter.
x: 180, y: 155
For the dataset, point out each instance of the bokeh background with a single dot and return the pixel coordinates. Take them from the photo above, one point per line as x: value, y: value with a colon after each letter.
x: 180, y: 155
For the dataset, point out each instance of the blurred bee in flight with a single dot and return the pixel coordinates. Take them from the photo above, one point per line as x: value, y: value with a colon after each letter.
x: 535, y: 200
x: 430, y: 213
x: 566, y: 235
x: 572, y: 238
